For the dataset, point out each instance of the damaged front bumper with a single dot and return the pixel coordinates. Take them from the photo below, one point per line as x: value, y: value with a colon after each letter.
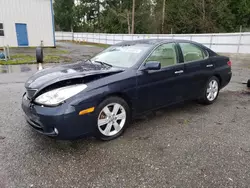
x: 62, y: 122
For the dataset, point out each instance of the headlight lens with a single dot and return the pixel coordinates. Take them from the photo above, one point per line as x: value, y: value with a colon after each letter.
x: 57, y: 96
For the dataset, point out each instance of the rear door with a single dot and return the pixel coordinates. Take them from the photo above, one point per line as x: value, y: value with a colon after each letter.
x: 198, y: 68
x: 160, y: 87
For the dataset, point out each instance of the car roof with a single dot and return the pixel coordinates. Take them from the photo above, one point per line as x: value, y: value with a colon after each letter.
x: 152, y: 41
x: 156, y: 42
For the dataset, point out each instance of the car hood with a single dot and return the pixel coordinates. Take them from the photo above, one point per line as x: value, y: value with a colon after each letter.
x: 49, y: 76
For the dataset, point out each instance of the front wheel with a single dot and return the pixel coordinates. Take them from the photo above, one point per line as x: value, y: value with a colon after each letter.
x: 113, y: 115
x: 211, y: 91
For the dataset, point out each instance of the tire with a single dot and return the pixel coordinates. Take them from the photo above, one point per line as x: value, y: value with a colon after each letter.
x: 248, y: 83
x: 110, y: 121
x: 207, y: 99
x: 39, y: 55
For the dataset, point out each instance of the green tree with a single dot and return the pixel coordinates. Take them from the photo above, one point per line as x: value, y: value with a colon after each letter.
x: 179, y: 16
x: 116, y: 16
x: 64, y: 14
x: 195, y: 16
x: 241, y: 11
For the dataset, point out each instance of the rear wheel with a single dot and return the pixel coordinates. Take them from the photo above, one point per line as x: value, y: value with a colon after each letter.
x: 211, y: 91
x: 113, y: 115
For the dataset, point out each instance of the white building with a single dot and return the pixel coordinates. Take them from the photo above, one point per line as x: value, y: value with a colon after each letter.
x: 26, y: 23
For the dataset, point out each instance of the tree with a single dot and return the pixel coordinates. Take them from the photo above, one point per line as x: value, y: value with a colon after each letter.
x: 241, y: 11
x: 64, y: 14
x: 115, y: 17
x: 163, y: 16
x: 118, y: 12
x: 152, y: 16
x: 133, y: 18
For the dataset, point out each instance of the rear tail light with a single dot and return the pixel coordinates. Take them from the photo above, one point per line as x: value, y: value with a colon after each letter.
x: 229, y: 63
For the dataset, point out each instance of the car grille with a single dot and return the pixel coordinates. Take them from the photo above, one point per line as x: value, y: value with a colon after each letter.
x: 31, y: 93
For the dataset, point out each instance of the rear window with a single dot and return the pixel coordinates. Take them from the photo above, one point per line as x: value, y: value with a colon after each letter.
x: 192, y: 52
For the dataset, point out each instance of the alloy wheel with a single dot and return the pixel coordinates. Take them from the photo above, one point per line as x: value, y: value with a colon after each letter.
x: 111, y: 119
x: 212, y: 90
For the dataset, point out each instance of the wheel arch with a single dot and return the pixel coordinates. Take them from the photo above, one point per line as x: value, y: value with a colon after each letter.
x: 219, y: 78
x: 124, y: 96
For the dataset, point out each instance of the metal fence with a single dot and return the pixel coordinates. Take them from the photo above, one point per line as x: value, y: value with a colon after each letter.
x: 221, y: 42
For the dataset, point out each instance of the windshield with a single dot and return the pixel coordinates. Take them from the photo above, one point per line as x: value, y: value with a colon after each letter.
x: 122, y: 56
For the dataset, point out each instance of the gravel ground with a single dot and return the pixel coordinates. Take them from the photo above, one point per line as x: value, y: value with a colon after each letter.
x: 188, y: 145
x: 77, y: 52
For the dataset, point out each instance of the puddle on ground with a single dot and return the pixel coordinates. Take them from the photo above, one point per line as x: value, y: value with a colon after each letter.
x: 20, y: 68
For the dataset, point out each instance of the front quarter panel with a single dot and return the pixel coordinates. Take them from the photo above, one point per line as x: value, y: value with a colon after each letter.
x: 122, y: 84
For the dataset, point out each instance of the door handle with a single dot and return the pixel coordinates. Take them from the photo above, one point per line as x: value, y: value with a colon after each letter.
x: 210, y: 65
x: 179, y: 72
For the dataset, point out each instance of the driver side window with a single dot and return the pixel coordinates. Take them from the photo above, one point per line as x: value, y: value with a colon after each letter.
x: 165, y: 54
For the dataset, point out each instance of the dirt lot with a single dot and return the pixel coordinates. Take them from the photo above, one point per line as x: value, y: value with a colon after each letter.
x: 188, y: 145
x: 63, y: 53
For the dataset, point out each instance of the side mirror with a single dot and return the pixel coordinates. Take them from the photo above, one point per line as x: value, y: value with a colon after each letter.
x: 152, y: 65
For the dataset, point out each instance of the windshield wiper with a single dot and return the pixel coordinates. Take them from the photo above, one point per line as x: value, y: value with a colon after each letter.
x: 103, y: 63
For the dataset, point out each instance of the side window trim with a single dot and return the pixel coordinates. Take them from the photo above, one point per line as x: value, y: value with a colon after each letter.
x: 180, y: 54
x: 162, y: 68
x: 206, y: 53
x: 202, y: 50
x: 177, y: 53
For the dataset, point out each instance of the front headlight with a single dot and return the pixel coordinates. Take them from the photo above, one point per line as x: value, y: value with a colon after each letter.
x: 57, y: 96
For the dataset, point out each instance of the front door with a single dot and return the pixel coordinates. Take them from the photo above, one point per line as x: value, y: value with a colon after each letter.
x: 22, y: 34
x: 157, y: 88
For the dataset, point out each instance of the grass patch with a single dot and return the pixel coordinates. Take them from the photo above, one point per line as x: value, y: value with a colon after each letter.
x: 19, y: 59
x: 94, y: 44
x: 33, y: 50
x: 89, y: 44
x: 29, y: 59
x: 55, y: 51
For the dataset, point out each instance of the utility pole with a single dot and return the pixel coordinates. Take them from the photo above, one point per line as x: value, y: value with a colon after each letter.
x: 163, y: 16
x: 133, y: 18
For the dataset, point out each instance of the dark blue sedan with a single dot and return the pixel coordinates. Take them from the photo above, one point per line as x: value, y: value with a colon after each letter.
x: 98, y: 97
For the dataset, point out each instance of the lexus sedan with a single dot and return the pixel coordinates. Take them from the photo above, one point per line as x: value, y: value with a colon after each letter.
x: 98, y: 97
